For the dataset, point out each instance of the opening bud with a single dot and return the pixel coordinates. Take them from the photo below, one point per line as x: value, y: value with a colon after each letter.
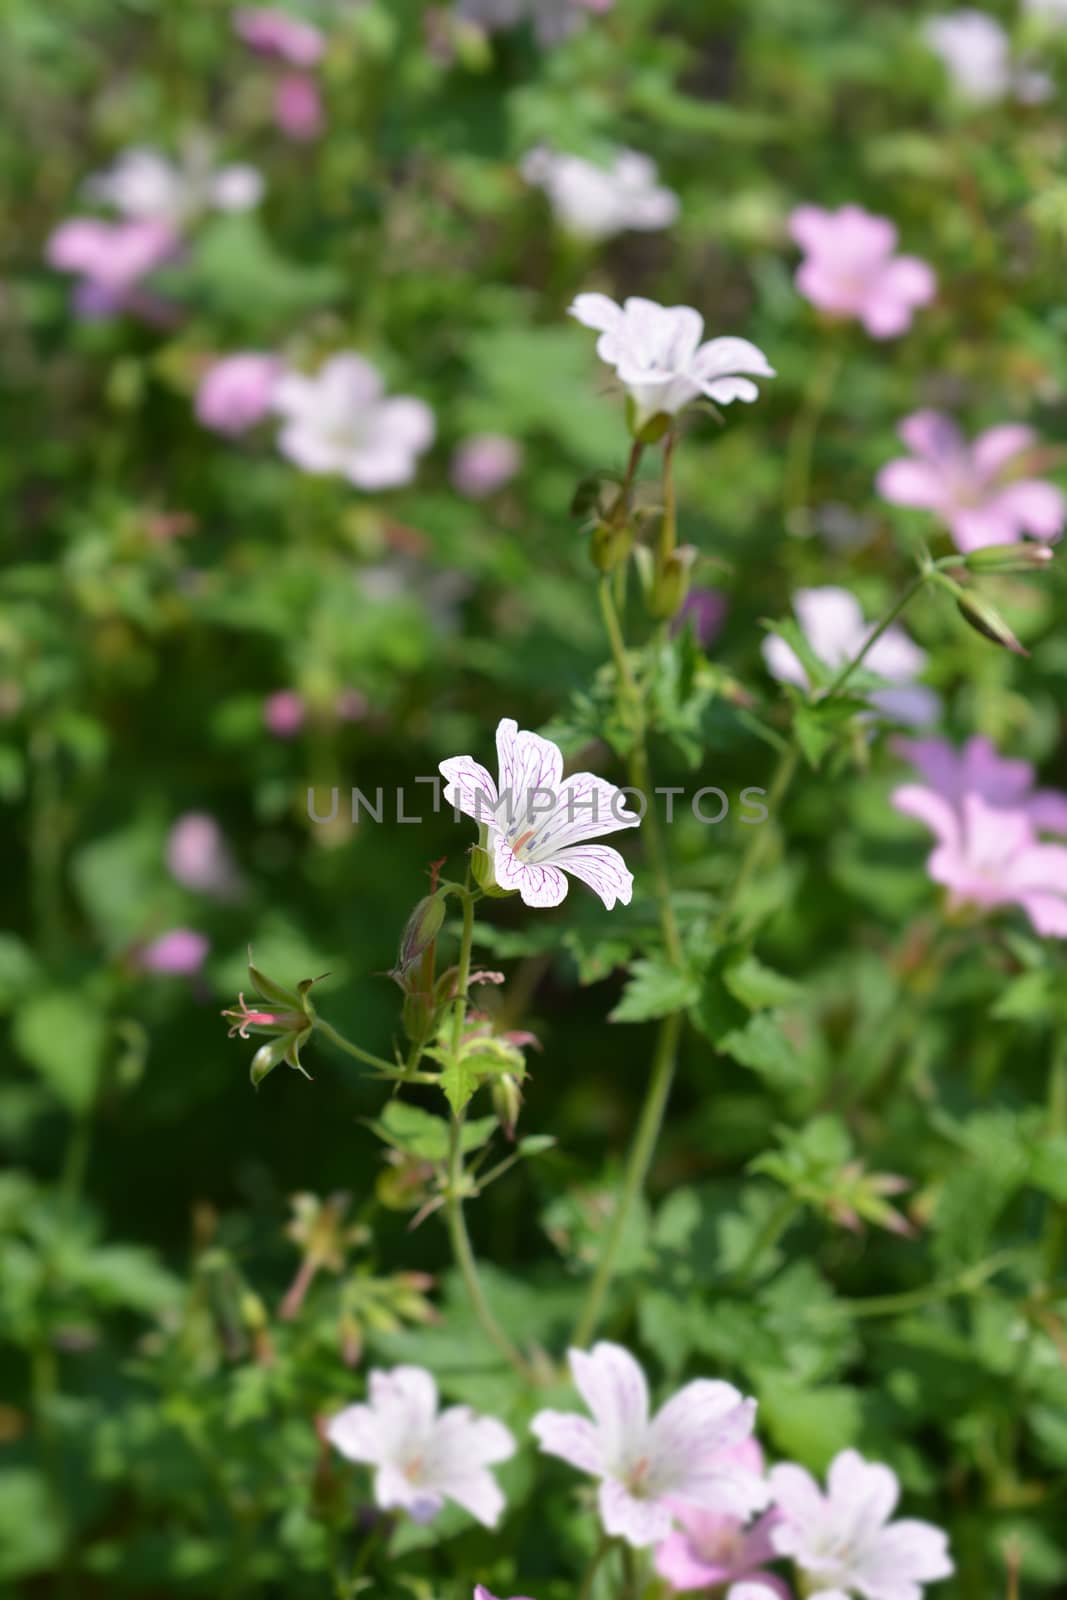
x: 423, y: 926
x: 1008, y: 557
x: 987, y: 620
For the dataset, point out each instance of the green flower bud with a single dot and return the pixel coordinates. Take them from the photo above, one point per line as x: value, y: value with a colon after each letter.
x: 671, y: 582
x: 610, y: 545
x: 987, y: 620
x: 1008, y: 557
x: 423, y: 926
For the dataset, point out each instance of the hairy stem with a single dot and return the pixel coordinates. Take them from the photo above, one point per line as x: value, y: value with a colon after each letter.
x: 331, y: 1033
x: 463, y: 1252
x: 637, y: 1168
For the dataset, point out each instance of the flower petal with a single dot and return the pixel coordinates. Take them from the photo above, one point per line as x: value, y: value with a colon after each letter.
x: 538, y: 884
x: 602, y: 868
x: 639, y: 1522
x: 469, y: 788
x: 571, y: 1437
x: 613, y: 1386
x: 530, y: 768
x: 586, y: 807
x: 356, y: 1433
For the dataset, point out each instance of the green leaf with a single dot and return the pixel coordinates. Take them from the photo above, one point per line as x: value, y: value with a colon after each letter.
x: 1029, y: 998
x: 757, y: 986
x: 63, y: 1036
x: 818, y: 728
x: 31, y: 1536
x: 655, y: 989
x: 763, y: 1046
x: 810, y: 1425
x: 459, y: 1080
x: 420, y: 1133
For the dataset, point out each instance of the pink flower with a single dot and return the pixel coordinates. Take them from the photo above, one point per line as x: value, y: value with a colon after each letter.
x: 351, y: 705
x: 646, y: 1464
x: 979, y: 769
x: 843, y: 1541
x: 340, y: 421
x: 276, y: 33
x: 284, y: 713
x: 537, y: 826
x: 713, y: 1547
x: 179, y: 953
x: 236, y: 392
x: 979, y: 490
x: 199, y: 859
x: 422, y: 1457
x: 110, y: 258
x: 850, y: 269
x: 834, y: 626
x: 484, y: 463
x: 985, y: 816
x: 705, y: 610
x: 298, y: 108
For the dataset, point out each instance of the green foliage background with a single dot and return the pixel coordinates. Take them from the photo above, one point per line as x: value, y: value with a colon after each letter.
x: 151, y: 1450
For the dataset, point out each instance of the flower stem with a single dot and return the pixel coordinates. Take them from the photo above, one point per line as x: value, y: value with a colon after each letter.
x: 331, y: 1033
x: 463, y: 972
x: 1054, y: 1242
x: 627, y: 682
x: 463, y: 1252
x: 902, y: 600
x: 637, y: 1167
x: 606, y: 1544
x: 668, y: 528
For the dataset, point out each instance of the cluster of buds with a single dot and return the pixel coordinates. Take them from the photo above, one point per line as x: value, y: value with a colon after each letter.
x: 286, y: 1016
x: 993, y: 561
x: 319, y: 1228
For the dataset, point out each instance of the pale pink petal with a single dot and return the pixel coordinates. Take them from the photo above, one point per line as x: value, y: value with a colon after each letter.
x: 832, y: 621
x: 530, y: 770
x: 571, y: 1437
x: 980, y: 526
x: 908, y: 1554
x: 355, y: 1433
x: 994, y: 449
x: 984, y: 770
x: 703, y: 1417
x: 869, y: 1489
x: 808, y: 226
x: 479, y: 1493
x: 462, y: 1440
x: 394, y: 1490
x: 586, y: 808
x: 613, y: 1386
x: 783, y: 662
x: 405, y: 1401
x: 1047, y: 809
x: 798, y: 1497
x: 1038, y: 508
x: 678, y: 1561
x: 909, y: 280
x: 596, y: 311
x: 469, y: 788
x: 934, y: 436
x: 407, y: 422
x: 1047, y: 912
x: 911, y: 483
x: 639, y: 1522
x: 602, y: 868
x: 912, y: 704
x: 935, y: 759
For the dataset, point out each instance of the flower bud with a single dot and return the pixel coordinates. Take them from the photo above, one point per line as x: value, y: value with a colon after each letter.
x: 610, y: 545
x: 671, y: 583
x: 987, y: 620
x: 423, y: 926
x: 1008, y: 557
x: 507, y: 1102
x: 645, y: 429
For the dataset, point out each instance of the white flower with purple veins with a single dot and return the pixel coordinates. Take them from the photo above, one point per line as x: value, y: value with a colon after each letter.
x: 341, y: 422
x: 646, y: 1463
x: 148, y: 187
x: 423, y: 1457
x: 844, y: 1542
x: 658, y: 355
x: 594, y: 202
x: 833, y: 624
x: 537, y: 824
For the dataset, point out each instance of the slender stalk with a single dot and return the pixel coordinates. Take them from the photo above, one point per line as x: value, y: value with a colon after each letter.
x: 623, y: 670
x: 637, y: 1167
x: 1054, y: 1242
x: 884, y: 1305
x: 331, y: 1033
x: 902, y: 600
x: 463, y: 1252
x: 668, y: 528
x: 641, y: 778
x: 463, y: 973
x: 606, y: 1544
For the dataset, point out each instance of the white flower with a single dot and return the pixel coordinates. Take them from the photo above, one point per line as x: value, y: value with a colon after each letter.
x: 423, y: 1458
x: 977, y: 55
x: 844, y: 1541
x: 552, y: 20
x: 537, y: 823
x: 147, y: 187
x: 340, y: 422
x: 833, y: 623
x: 657, y: 353
x: 1052, y: 10
x: 645, y: 1463
x: 596, y: 202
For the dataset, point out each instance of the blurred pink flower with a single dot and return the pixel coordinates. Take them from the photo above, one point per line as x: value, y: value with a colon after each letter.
x: 712, y: 1547
x: 985, y: 815
x: 706, y: 610
x: 179, y: 953
x: 851, y: 269
x: 144, y: 185
x: 199, y: 858
x: 843, y: 1541
x: 298, y: 108
x: 833, y: 624
x: 594, y: 202
x: 980, y: 769
x: 979, y: 489
x: 646, y: 1464
x: 284, y: 713
x: 340, y: 421
x: 109, y: 258
x: 275, y: 33
x: 236, y: 392
x: 484, y: 463
x: 351, y: 705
